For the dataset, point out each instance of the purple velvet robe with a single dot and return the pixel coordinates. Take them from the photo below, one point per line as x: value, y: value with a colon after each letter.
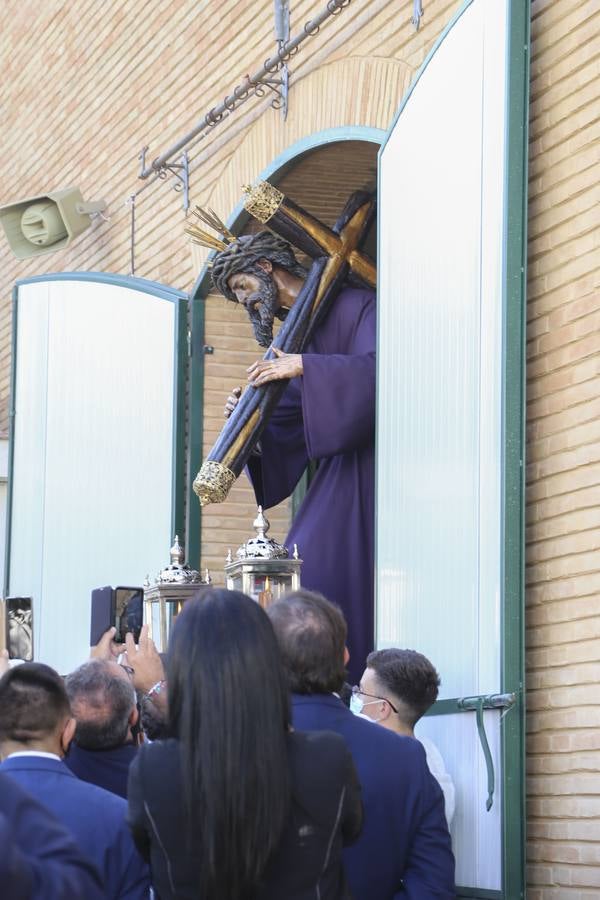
x: 328, y: 414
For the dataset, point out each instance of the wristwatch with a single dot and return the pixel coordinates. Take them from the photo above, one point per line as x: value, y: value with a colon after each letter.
x: 156, y: 689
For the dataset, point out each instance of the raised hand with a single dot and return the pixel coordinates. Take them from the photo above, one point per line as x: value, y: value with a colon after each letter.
x: 107, y: 648
x: 144, y: 660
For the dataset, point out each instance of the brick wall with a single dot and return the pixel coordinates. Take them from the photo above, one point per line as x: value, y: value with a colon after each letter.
x: 563, y: 509
x: 86, y: 84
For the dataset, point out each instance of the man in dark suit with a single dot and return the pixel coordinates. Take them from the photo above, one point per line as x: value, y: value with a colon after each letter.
x: 38, y: 858
x: 103, y: 703
x: 404, y: 851
x: 36, y: 729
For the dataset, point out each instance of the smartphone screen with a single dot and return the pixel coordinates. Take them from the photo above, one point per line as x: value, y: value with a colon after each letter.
x: 128, y: 612
x: 19, y: 627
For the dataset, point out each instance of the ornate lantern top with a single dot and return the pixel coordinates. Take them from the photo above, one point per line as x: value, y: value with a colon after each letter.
x: 179, y: 572
x: 261, y: 546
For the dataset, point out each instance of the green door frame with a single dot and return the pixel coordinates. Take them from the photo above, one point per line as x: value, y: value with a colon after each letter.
x: 512, y: 734
x: 514, y: 411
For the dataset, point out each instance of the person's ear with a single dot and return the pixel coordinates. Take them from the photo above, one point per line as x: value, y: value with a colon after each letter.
x: 386, y: 711
x: 133, y: 717
x: 266, y: 265
x: 67, y: 734
x: 346, y: 656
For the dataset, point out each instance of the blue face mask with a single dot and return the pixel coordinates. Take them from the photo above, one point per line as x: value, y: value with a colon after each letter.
x: 357, y: 704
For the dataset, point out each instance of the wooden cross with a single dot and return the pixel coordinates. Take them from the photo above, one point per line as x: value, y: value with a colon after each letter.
x: 307, y: 233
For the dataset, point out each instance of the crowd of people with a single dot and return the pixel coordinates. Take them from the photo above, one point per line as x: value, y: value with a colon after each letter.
x: 241, y: 766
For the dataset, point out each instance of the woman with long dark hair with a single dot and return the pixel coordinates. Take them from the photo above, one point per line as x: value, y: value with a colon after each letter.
x: 237, y: 806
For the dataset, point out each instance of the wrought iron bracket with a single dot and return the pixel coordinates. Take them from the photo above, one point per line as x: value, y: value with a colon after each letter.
x: 280, y: 85
x: 250, y: 87
x: 180, y: 172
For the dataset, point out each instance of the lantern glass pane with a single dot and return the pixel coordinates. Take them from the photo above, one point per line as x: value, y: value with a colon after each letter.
x: 173, y: 608
x: 235, y: 582
x: 255, y: 585
x: 155, y: 623
x: 266, y: 588
x: 282, y: 585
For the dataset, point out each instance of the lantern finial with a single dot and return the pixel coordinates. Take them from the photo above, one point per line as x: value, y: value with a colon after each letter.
x: 261, y: 524
x: 176, y: 552
x: 261, y: 546
x: 178, y: 572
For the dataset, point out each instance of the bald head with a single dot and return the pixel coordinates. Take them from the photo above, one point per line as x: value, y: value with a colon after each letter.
x: 103, y: 703
x: 311, y: 633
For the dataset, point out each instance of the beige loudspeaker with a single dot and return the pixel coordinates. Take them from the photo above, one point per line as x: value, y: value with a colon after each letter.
x: 47, y: 223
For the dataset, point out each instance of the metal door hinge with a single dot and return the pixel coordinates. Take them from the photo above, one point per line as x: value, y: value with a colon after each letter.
x: 477, y: 705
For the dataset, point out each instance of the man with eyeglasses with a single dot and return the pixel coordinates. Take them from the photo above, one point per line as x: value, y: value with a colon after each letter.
x: 404, y: 850
x: 396, y: 689
x: 104, y: 705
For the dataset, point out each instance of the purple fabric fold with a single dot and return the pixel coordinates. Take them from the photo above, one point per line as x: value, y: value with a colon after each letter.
x: 338, y: 403
x: 329, y: 415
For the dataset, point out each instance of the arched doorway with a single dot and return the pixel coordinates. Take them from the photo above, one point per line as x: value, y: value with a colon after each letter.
x: 319, y: 174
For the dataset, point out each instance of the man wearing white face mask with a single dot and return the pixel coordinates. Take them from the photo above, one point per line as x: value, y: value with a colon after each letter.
x: 404, y: 851
x: 396, y: 689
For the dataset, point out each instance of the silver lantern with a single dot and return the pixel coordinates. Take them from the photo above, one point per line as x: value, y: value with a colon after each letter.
x: 165, y: 595
x: 262, y: 568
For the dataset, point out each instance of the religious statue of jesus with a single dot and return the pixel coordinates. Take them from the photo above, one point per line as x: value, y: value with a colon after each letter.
x: 327, y: 414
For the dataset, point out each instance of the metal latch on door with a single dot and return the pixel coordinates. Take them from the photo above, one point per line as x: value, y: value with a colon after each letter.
x: 478, y: 704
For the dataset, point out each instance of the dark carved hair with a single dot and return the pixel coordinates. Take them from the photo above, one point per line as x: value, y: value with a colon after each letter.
x: 33, y: 702
x: 102, y: 703
x: 243, y: 255
x: 312, y: 636
x: 410, y: 677
x: 229, y: 708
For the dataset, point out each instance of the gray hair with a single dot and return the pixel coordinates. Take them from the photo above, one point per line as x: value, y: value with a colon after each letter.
x: 311, y: 633
x: 101, y: 702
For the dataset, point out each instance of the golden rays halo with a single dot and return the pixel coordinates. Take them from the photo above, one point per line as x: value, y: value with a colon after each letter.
x: 205, y: 238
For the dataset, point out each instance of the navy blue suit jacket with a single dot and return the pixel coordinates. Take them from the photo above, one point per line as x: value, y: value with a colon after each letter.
x: 94, y: 817
x: 109, y: 769
x: 404, y: 850
x: 39, y: 859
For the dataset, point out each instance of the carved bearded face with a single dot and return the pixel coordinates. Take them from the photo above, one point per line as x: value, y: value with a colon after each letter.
x: 258, y: 293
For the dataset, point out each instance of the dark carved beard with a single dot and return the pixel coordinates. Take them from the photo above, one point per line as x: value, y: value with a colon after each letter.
x: 263, y: 315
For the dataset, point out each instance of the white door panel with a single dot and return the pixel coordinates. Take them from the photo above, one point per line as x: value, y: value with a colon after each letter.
x: 93, y: 450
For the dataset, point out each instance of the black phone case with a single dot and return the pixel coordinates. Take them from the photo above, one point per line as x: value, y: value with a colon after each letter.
x: 102, y: 613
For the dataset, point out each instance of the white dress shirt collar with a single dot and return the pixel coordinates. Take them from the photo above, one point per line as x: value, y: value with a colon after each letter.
x: 41, y: 753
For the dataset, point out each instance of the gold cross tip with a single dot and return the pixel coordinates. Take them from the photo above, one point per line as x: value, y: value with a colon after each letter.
x: 262, y: 200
